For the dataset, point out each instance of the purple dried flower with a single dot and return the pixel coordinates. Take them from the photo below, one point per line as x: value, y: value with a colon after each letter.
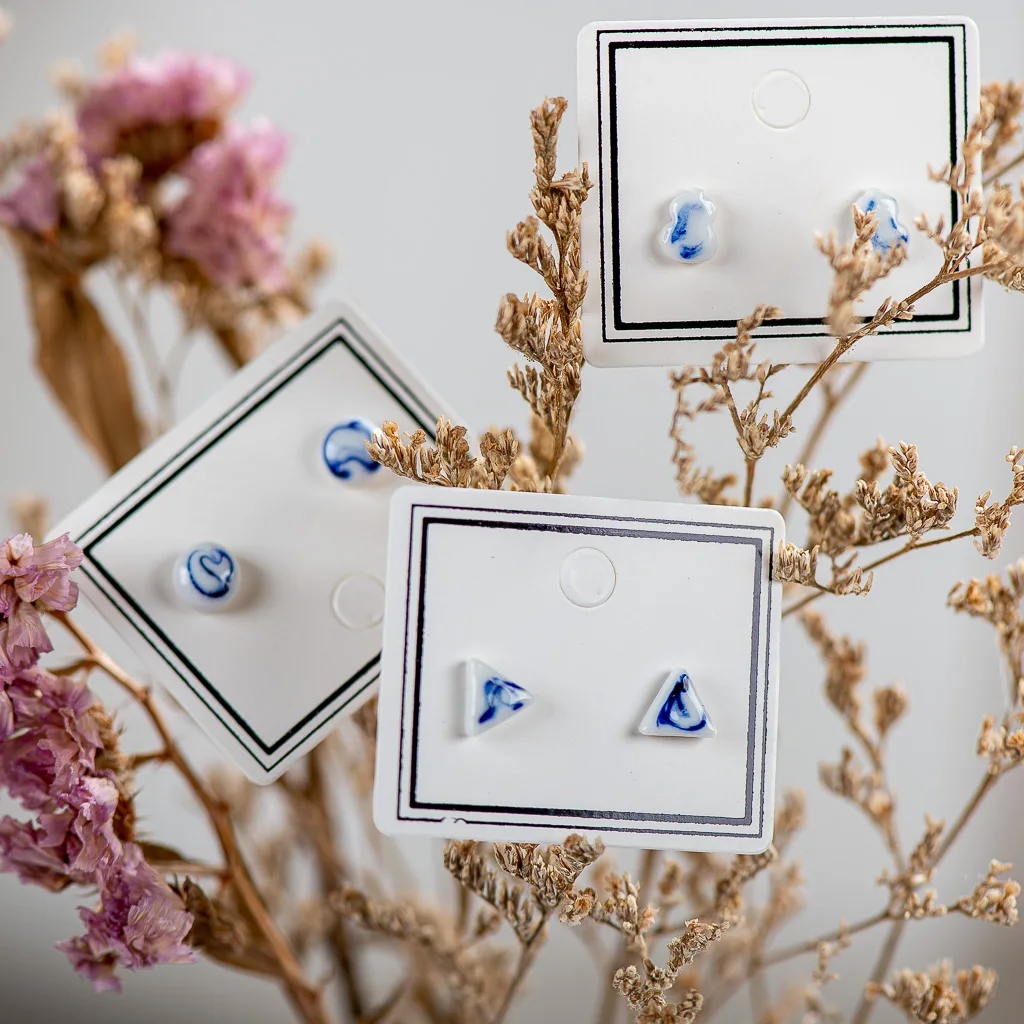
x: 32, y: 206
x: 140, y: 923
x: 173, y: 90
x: 48, y: 764
x: 32, y: 579
x: 231, y: 222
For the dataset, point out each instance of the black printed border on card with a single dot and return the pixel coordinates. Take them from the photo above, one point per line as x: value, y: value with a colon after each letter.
x: 725, y: 328
x: 584, y: 525
x: 338, y: 333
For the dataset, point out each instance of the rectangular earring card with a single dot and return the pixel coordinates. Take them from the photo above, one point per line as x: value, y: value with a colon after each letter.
x: 719, y: 150
x: 559, y: 664
x: 243, y: 554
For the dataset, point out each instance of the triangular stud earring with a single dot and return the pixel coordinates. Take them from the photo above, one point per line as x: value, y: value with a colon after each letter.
x: 677, y: 710
x: 490, y: 697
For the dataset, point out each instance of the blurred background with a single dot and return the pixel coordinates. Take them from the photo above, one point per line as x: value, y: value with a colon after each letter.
x: 411, y: 156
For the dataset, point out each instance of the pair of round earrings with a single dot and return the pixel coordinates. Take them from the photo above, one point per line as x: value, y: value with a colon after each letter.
x: 208, y: 577
x: 690, y: 235
x: 491, y: 698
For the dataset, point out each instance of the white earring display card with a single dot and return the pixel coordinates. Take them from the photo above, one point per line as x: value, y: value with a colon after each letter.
x: 243, y: 554
x: 718, y: 151
x: 528, y: 638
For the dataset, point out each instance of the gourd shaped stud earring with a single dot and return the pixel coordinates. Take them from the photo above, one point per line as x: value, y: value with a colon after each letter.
x: 677, y: 710
x: 690, y: 236
x: 206, y: 577
x: 344, y: 450
x: 889, y: 232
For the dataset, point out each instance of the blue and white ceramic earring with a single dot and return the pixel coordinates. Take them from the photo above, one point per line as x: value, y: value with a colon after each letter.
x: 889, y: 232
x: 206, y: 577
x: 677, y: 710
x: 690, y: 236
x: 490, y: 697
x: 344, y: 450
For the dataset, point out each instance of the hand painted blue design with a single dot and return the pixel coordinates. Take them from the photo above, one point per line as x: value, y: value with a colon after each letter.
x: 690, y: 237
x: 679, y: 711
x: 210, y: 570
x: 500, y: 693
x: 889, y: 232
x: 344, y: 450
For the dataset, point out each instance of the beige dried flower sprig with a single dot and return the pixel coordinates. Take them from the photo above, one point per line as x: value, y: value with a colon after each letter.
x: 856, y: 268
x: 755, y: 432
x: 546, y: 330
x: 994, y: 898
x: 929, y: 996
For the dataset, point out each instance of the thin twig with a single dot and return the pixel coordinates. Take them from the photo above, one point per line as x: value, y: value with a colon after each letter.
x: 527, y: 951
x: 993, y: 176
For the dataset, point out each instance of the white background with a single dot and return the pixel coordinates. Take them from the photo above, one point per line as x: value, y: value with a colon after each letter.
x: 412, y: 154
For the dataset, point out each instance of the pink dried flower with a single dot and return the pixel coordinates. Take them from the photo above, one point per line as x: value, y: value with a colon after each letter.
x: 32, y: 206
x: 140, y: 923
x: 170, y: 90
x: 48, y: 764
x: 231, y: 222
x: 32, y: 580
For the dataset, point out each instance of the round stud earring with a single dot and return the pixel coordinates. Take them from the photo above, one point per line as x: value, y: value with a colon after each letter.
x: 206, y: 577
x: 889, y: 232
x: 344, y: 450
x: 690, y: 236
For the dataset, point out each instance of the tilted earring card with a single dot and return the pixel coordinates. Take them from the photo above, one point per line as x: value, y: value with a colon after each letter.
x: 785, y: 124
x: 272, y: 476
x: 588, y: 603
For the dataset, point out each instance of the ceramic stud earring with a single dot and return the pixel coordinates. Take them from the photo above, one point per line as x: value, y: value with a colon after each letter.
x: 677, y: 710
x: 490, y: 697
x: 344, y: 450
x: 206, y: 577
x: 889, y: 231
x: 689, y: 236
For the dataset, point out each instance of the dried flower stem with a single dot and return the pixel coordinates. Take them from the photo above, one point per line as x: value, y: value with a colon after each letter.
x: 993, y: 176
x: 832, y: 400
x: 883, y: 318
x: 305, y: 997
x: 527, y: 951
x: 891, y: 556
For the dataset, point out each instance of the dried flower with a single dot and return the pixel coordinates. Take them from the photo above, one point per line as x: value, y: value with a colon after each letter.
x: 930, y: 996
x: 994, y: 898
x: 231, y: 222
x: 60, y: 761
x: 157, y: 110
x: 33, y: 205
x: 32, y: 580
x: 139, y: 923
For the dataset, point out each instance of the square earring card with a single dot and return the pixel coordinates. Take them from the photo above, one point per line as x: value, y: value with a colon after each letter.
x: 719, y: 150
x: 560, y: 664
x: 243, y: 554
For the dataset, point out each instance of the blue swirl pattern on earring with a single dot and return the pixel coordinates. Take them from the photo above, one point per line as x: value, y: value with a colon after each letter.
x: 206, y: 577
x: 344, y: 450
x: 490, y: 697
x: 677, y: 710
x: 889, y: 232
x: 690, y: 236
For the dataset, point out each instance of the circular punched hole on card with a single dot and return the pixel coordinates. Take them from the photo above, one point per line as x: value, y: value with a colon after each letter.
x: 781, y: 99
x: 587, y: 577
x: 358, y: 601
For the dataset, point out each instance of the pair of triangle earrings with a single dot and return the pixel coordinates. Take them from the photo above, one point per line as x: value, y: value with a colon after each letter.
x: 492, y: 699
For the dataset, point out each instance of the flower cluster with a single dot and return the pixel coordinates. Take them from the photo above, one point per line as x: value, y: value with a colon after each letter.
x: 231, y: 222
x: 31, y: 580
x: 60, y: 759
x: 144, y: 175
